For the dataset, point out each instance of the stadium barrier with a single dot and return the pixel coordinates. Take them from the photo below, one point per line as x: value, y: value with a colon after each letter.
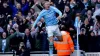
x: 7, y: 54
x: 39, y: 53
x: 92, y: 54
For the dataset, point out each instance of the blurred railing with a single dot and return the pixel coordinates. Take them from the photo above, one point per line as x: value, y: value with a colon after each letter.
x: 92, y: 54
x: 40, y: 53
x: 7, y: 54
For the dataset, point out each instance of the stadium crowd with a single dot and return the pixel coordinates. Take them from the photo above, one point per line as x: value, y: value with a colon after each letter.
x: 18, y: 16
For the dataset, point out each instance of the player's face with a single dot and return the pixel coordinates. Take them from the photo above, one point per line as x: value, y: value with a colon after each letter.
x: 47, y: 5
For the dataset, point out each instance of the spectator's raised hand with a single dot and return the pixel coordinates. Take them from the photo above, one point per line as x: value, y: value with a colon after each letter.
x: 32, y: 29
x: 37, y: 3
x: 8, y: 16
x: 41, y: 32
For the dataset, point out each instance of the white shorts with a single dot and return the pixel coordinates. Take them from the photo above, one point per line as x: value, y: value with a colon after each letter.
x: 53, y: 31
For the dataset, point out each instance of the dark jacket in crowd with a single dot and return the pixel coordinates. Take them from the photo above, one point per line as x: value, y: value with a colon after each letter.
x: 98, y: 44
x: 93, y: 44
x: 83, y: 42
x: 31, y: 40
x: 7, y: 48
x: 14, y: 42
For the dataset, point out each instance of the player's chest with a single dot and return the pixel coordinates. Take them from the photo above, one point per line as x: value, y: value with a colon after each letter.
x: 49, y: 13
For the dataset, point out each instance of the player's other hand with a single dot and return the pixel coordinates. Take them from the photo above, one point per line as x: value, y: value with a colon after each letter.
x: 59, y: 17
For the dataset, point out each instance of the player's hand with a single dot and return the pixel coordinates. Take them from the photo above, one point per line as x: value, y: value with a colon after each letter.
x: 64, y: 15
x: 59, y: 17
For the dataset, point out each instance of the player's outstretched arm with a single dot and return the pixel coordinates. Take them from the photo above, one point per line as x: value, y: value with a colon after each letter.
x: 37, y: 20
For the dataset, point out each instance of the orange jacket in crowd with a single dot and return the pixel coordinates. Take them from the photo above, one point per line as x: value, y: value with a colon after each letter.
x: 66, y: 47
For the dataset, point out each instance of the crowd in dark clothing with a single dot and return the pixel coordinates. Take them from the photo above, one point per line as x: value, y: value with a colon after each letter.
x: 18, y: 16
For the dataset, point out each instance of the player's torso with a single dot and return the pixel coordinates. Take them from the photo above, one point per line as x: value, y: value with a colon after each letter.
x: 50, y: 17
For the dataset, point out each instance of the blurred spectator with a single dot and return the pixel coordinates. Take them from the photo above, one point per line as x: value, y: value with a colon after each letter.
x: 22, y: 50
x: 14, y: 42
x: 5, y: 42
x: 83, y: 40
x: 37, y: 6
x: 92, y: 42
x: 29, y: 39
x: 89, y: 16
x: 97, y: 9
x: 18, y: 7
x: 86, y: 25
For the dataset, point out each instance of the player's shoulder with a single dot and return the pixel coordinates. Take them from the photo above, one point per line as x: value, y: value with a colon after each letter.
x: 43, y: 11
x: 52, y: 7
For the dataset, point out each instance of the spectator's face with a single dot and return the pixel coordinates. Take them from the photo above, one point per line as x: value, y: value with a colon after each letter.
x: 89, y: 12
x: 42, y: 19
x: 23, y: 1
x: 15, y: 19
x: 15, y: 26
x: 18, y: 6
x: 29, y: 14
x: 19, y: 13
x: 86, y: 21
x: 67, y: 9
x: 4, y: 35
x: 92, y: 34
x: 10, y: 22
x: 47, y: 5
x: 27, y: 32
x: 5, y: 5
x: 11, y: 31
